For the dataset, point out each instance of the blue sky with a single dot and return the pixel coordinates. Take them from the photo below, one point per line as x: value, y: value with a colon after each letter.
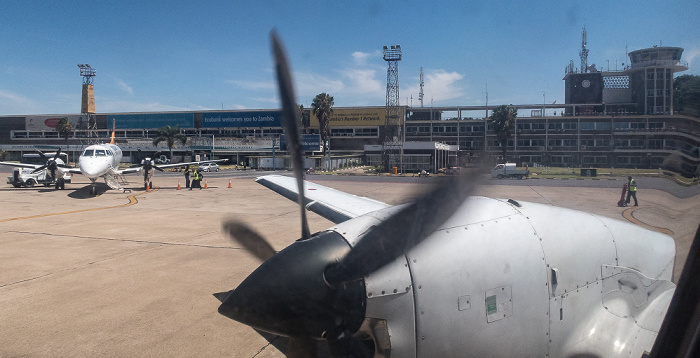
x: 191, y: 55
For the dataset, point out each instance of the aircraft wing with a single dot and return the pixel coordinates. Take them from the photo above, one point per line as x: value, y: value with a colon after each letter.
x: 21, y: 165
x: 190, y: 163
x: 334, y: 205
x: 129, y: 170
x: 70, y: 170
x: 139, y: 168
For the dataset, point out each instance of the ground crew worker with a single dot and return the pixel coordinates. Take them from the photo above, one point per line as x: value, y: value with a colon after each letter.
x: 187, y: 177
x: 632, y: 190
x: 195, y: 180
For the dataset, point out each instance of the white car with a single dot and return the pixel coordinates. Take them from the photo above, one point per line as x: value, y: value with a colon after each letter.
x: 209, y: 167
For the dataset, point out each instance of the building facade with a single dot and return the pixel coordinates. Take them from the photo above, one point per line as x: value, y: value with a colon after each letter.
x: 609, y: 119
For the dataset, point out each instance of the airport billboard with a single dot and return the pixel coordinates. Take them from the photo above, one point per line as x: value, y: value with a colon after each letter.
x: 151, y: 120
x: 242, y: 119
x: 48, y: 123
x: 344, y: 117
x: 309, y: 142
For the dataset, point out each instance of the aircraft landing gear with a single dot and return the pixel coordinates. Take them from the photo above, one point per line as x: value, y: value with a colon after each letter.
x: 60, y: 184
x: 93, y: 188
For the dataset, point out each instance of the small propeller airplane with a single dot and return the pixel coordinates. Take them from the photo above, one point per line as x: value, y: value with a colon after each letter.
x: 450, y: 275
x: 102, y: 161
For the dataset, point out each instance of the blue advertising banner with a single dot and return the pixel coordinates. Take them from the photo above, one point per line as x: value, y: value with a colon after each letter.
x: 151, y: 120
x: 242, y: 119
x: 309, y: 142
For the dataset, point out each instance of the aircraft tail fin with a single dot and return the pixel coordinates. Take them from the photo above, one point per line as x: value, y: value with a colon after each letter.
x: 111, y: 140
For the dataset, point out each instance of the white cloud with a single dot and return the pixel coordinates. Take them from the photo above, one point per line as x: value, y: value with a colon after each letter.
x: 124, y: 87
x: 691, y: 55
x: 440, y: 86
x: 360, y: 58
x: 443, y: 84
x: 309, y: 84
x: 12, y: 103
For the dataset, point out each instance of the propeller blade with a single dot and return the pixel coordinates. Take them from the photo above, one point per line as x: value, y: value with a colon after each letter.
x: 313, y: 289
x: 157, y: 168
x: 290, y: 120
x: 404, y: 230
x: 58, y: 154
x: 249, y: 239
x: 39, y: 169
x: 41, y: 154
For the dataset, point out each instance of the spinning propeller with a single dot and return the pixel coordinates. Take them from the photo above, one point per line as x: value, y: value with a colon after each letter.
x: 314, y: 289
x: 51, y: 163
x: 147, y: 163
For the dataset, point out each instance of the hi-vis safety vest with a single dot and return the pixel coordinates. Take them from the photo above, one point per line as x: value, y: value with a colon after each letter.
x: 633, y: 185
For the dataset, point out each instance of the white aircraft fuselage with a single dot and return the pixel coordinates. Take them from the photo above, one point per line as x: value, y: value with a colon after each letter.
x: 99, y: 160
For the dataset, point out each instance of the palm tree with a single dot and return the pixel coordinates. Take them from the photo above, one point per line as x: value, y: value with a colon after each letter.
x: 503, y: 121
x: 170, y: 135
x: 64, y: 129
x: 303, y: 116
x: 322, y: 107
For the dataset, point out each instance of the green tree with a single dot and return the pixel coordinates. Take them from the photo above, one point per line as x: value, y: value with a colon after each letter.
x: 304, y: 116
x: 503, y: 121
x: 686, y: 95
x: 170, y: 135
x: 322, y: 107
x: 64, y: 129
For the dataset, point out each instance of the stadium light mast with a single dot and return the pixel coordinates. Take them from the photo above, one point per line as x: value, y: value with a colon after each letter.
x: 87, y: 106
x: 392, y: 144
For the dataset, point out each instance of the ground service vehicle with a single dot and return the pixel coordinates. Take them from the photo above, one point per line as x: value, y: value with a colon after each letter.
x: 509, y: 170
x: 22, y: 177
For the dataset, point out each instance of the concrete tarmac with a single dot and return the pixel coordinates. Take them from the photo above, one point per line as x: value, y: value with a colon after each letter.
x: 132, y: 274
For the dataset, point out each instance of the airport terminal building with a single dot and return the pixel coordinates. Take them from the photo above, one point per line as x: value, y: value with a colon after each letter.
x: 610, y: 119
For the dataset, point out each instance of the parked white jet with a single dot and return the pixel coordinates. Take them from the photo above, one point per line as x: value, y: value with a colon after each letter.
x: 102, y: 161
x: 451, y: 275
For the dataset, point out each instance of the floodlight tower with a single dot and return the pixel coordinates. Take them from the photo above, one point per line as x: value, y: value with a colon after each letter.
x: 392, y: 141
x: 87, y: 107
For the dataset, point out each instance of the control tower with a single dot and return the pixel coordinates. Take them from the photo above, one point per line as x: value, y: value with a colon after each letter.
x: 651, y: 78
x: 645, y: 86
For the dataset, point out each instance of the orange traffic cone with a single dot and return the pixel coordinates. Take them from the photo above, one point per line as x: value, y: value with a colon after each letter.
x: 205, y: 184
x: 178, y: 185
x: 229, y: 183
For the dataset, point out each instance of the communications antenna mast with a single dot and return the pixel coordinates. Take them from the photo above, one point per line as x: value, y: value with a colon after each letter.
x: 392, y: 143
x: 87, y: 107
x: 420, y: 95
x: 584, y: 51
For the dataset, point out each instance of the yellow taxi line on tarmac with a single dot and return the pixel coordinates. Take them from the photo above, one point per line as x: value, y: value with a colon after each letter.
x: 132, y: 201
x: 629, y: 215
